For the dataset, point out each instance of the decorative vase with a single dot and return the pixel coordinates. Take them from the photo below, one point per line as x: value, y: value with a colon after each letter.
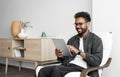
x: 22, y: 34
x: 43, y: 34
x: 16, y: 28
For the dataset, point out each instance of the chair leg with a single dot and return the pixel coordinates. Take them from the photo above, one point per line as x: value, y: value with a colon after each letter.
x: 6, y: 66
x: 19, y: 65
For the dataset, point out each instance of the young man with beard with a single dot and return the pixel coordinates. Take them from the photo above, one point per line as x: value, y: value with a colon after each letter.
x: 86, y: 49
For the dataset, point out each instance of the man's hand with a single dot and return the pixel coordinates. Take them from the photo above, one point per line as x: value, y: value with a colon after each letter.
x: 58, y: 53
x: 83, y: 55
x: 72, y: 49
x: 75, y: 50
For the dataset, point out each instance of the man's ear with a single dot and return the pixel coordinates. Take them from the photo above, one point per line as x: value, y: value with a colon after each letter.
x: 88, y: 24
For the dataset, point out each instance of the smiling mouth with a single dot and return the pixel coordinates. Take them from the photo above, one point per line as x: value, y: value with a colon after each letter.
x: 79, y: 30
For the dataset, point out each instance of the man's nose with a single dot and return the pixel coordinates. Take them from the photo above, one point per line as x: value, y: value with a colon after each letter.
x: 78, y: 26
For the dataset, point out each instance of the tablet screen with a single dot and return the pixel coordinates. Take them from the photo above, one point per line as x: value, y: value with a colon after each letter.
x: 60, y: 44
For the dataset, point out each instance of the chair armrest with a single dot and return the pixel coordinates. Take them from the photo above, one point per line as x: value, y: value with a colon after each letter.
x: 87, y: 70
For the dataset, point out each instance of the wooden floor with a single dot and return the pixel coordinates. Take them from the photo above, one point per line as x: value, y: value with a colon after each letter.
x: 14, y: 72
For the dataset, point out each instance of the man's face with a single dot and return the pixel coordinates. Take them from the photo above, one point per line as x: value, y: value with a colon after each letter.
x: 81, y: 25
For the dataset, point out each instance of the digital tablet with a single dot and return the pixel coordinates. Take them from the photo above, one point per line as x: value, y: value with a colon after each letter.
x: 60, y: 44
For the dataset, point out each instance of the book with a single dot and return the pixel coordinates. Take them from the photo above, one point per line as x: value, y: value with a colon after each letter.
x: 17, y: 53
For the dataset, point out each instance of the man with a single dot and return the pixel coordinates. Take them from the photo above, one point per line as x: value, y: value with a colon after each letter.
x: 86, y: 49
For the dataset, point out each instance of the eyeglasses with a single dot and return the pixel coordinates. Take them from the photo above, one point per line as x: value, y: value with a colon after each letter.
x: 79, y: 24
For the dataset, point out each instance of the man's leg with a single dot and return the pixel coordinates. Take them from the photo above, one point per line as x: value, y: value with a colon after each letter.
x: 46, y: 71
x: 61, y: 70
x: 58, y: 71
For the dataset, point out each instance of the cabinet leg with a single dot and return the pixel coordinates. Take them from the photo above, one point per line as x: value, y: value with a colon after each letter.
x: 20, y: 65
x: 6, y: 66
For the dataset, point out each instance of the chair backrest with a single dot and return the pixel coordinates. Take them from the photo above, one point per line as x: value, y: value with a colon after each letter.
x: 107, y: 45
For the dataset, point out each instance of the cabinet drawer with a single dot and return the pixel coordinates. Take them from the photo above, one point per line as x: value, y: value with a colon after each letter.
x: 32, y: 49
x: 32, y: 43
x: 6, y: 48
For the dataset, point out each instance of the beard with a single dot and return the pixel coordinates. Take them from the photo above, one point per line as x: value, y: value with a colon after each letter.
x: 81, y: 31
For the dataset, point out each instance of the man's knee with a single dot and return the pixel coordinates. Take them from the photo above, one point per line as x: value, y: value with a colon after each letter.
x: 41, y: 72
x: 57, y: 72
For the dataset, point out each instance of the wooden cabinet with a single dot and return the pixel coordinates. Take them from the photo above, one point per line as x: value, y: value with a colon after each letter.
x: 39, y: 49
x: 42, y: 49
x: 6, y: 48
x: 47, y: 49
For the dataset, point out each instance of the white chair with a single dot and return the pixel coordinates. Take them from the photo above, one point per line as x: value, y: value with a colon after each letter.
x: 107, y: 47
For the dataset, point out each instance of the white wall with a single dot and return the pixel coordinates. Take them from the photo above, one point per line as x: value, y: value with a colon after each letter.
x: 106, y: 17
x: 55, y: 17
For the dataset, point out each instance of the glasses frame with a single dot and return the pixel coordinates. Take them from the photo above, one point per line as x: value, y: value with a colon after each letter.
x: 79, y: 24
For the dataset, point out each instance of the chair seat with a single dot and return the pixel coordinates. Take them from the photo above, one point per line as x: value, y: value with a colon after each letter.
x: 38, y: 69
x: 73, y: 74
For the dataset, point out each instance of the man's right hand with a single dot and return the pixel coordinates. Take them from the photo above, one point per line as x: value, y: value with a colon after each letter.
x: 58, y: 53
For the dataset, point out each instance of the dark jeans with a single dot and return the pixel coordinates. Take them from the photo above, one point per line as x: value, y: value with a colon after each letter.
x: 58, y: 70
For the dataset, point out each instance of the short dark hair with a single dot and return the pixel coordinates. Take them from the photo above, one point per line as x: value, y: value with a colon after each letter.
x: 85, y: 15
